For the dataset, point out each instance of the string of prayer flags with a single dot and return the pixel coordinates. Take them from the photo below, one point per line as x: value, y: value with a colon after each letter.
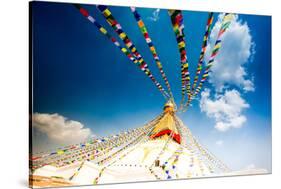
x: 203, y: 49
x: 178, y: 27
x: 224, y: 25
x: 151, y: 46
x: 136, y: 60
x: 130, y: 45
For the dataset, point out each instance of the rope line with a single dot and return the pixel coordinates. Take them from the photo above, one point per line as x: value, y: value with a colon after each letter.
x: 142, y: 139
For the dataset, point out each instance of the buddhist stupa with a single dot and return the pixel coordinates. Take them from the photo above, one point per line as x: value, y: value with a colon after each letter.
x: 162, y: 149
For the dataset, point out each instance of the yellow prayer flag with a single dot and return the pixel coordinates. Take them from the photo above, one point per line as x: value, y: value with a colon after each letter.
x: 205, y: 75
x: 60, y: 152
x: 103, y: 30
x: 122, y: 35
x: 124, y: 50
x: 217, y: 46
x: 106, y: 12
x: 181, y: 44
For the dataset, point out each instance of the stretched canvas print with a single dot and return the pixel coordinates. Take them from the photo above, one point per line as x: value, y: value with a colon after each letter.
x: 130, y: 94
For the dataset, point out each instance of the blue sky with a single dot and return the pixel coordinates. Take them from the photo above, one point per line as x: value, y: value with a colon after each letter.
x: 80, y: 75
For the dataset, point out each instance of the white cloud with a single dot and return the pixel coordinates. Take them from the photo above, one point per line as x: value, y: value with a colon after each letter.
x: 250, y: 166
x: 155, y: 15
x: 237, y: 50
x: 219, y: 142
x: 59, y: 129
x: 226, y: 109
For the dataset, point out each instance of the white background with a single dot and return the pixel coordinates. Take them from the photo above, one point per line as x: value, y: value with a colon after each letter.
x: 14, y: 91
